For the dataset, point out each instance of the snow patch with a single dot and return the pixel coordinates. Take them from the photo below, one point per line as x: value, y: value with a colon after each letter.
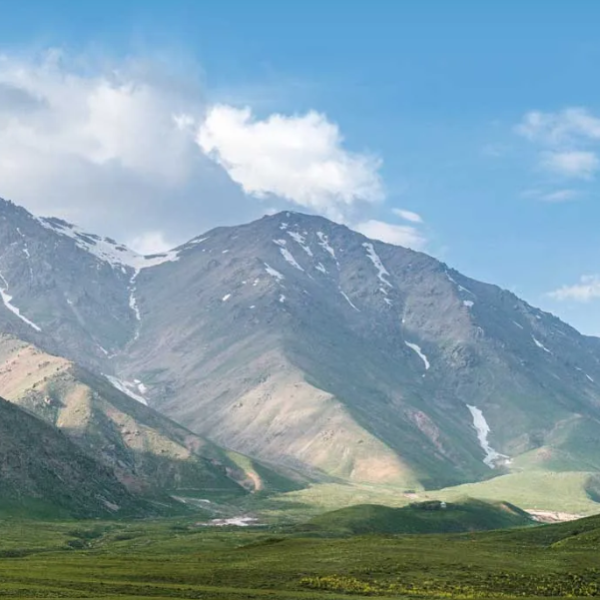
x: 301, y: 241
x: 416, y: 348
x: 461, y: 288
x: 106, y: 249
x: 349, y: 301
x: 282, y: 298
x: 127, y: 387
x: 540, y: 345
x: 272, y: 272
x: 196, y: 241
x: 225, y: 297
x: 7, y: 300
x: 287, y: 255
x: 582, y: 371
x: 382, y: 272
x: 133, y: 305
x: 25, y: 250
x: 483, y: 430
x: 518, y: 325
x: 468, y: 303
x: 324, y: 243
x: 321, y: 268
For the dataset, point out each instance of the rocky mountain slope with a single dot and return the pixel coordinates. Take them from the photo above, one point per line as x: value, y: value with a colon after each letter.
x: 298, y: 341
x: 147, y: 452
x: 294, y: 337
x: 42, y: 472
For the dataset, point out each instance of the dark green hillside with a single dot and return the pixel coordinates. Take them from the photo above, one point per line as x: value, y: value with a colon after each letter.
x: 43, y: 473
x: 423, y: 517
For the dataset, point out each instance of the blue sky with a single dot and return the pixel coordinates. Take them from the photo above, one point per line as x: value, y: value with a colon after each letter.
x: 480, y: 117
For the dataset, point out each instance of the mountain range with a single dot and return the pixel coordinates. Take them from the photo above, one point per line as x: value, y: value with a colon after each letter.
x: 322, y: 355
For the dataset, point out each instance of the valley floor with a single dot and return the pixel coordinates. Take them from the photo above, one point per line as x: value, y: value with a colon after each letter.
x: 180, y: 559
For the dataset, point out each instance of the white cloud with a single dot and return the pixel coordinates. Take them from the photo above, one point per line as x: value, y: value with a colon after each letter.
x: 576, y: 164
x: 587, y: 289
x: 560, y: 195
x: 566, y: 140
x: 399, y: 235
x: 408, y: 215
x: 111, y: 148
x: 300, y: 158
x: 150, y: 242
x: 557, y: 196
x: 570, y: 124
x: 134, y: 152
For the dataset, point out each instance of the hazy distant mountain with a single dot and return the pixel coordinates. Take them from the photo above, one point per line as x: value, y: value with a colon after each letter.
x: 298, y: 341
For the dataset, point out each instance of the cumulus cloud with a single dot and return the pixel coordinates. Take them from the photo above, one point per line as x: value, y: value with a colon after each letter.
x: 408, y: 215
x: 588, y: 288
x: 134, y: 152
x: 399, y: 235
x: 300, y: 158
x: 107, y: 148
x: 576, y: 164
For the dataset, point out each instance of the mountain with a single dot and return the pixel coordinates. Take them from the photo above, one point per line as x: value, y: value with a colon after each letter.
x: 300, y: 342
x: 42, y: 472
x: 423, y: 517
x: 296, y: 339
x: 147, y: 452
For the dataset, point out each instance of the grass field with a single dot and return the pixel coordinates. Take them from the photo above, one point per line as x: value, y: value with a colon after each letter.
x: 178, y: 559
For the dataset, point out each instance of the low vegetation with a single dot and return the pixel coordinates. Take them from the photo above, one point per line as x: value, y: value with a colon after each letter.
x: 180, y: 558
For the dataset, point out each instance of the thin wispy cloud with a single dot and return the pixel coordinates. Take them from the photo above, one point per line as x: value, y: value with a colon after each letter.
x: 399, y: 235
x: 553, y: 196
x: 408, y: 215
x: 566, y: 141
x: 571, y: 164
x: 568, y: 126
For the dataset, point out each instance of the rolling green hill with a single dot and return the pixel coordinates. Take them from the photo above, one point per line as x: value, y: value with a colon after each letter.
x: 423, y: 517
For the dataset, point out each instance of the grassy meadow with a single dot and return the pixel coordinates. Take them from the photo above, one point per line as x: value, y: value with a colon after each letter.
x: 178, y: 558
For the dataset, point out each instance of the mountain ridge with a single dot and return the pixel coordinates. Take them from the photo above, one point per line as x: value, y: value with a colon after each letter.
x: 300, y: 342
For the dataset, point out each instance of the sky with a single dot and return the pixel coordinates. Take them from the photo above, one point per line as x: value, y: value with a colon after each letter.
x: 469, y: 130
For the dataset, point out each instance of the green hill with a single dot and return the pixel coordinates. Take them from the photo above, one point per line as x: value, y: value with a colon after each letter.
x: 423, y: 517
